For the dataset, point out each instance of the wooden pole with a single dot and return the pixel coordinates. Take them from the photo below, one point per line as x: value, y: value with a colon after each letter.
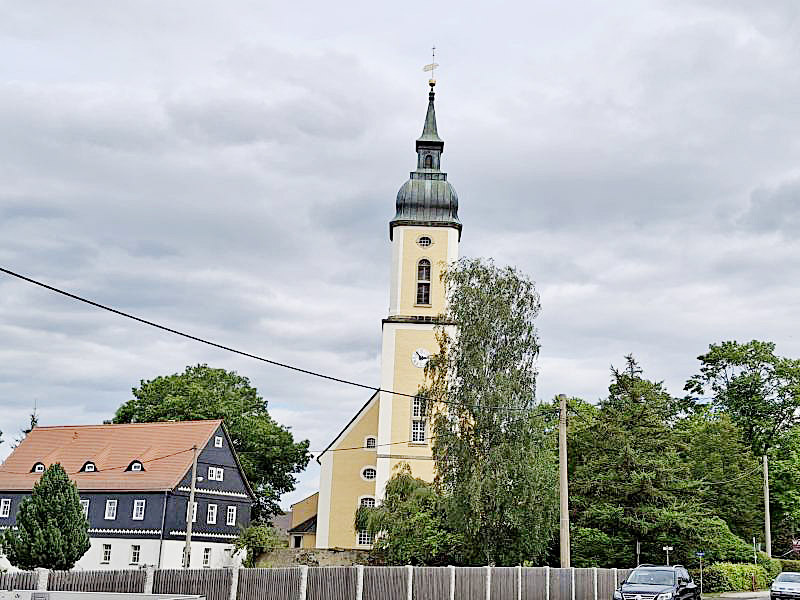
x: 562, y: 481
x: 767, y: 527
x: 187, y: 549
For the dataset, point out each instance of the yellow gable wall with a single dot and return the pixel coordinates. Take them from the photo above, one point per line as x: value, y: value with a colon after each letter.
x: 412, y: 254
x: 305, y: 509
x: 347, y: 485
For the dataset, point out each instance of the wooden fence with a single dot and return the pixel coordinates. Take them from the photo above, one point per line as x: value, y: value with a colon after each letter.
x: 339, y: 583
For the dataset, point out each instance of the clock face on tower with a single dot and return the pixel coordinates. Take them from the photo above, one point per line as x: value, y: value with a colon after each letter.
x: 420, y: 357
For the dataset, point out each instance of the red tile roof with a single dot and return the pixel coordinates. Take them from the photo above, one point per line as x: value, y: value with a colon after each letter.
x: 163, y: 448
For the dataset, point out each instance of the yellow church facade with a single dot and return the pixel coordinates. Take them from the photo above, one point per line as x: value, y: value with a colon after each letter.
x: 391, y: 427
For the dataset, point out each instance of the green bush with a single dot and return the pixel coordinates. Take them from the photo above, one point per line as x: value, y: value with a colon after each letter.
x: 790, y: 565
x: 734, y: 577
x: 771, y: 565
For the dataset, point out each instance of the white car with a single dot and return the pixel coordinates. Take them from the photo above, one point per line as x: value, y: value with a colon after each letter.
x: 785, y: 586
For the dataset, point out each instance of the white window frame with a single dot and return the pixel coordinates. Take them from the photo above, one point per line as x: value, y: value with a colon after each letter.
x: 90, y: 467
x: 206, y: 557
x: 106, y: 557
x: 136, y: 466
x: 38, y: 468
x: 374, y: 470
x: 418, y: 413
x: 230, y: 516
x: 136, y: 504
x: 212, y: 473
x: 217, y: 441
x: 136, y: 554
x: 5, y: 508
x: 111, y: 509
x: 374, y: 442
x: 85, y: 507
x: 359, y: 541
x: 220, y: 474
x: 211, y: 514
x: 362, y: 498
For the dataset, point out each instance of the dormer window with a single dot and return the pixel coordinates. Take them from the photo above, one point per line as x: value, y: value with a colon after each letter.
x: 38, y: 468
x: 88, y: 467
x: 135, y: 466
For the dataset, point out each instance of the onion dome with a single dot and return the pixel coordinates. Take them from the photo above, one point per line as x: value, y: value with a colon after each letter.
x: 427, y: 198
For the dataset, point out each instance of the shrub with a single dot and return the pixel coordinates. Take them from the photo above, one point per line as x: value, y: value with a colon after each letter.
x: 790, y: 565
x: 734, y: 577
x: 771, y: 565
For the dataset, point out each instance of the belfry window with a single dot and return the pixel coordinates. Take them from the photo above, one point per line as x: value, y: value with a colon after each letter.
x: 418, y: 414
x: 428, y: 161
x: 424, y: 281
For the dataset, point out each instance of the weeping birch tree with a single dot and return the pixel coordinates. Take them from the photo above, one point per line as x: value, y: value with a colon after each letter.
x: 495, y: 463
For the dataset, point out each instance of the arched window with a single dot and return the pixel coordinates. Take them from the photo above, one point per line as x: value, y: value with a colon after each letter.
x: 428, y: 162
x: 368, y: 501
x: 370, y: 443
x: 424, y: 281
x: 38, y: 468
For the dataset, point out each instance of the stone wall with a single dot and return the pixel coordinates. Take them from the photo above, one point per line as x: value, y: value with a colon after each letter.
x: 291, y: 557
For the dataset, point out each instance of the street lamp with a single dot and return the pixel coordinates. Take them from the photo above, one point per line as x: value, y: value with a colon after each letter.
x: 667, y: 549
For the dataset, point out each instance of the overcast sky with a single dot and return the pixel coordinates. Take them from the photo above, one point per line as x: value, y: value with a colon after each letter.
x: 230, y: 168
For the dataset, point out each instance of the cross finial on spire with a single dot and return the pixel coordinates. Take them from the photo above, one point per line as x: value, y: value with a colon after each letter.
x: 432, y: 68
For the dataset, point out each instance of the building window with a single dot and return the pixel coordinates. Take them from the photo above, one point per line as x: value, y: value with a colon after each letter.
x: 211, y: 515
x: 38, y: 468
x: 135, y: 466
x: 424, y: 281
x: 89, y: 467
x: 218, y: 441
x: 216, y: 473
x: 418, y: 413
x: 230, y: 518
x: 85, y: 507
x: 206, y: 557
x: 428, y: 162
x: 424, y: 241
x: 368, y: 473
x: 111, y: 509
x: 363, y: 538
x: 368, y: 501
x: 138, y: 510
x: 370, y: 443
x: 194, y: 511
x: 5, y: 508
x: 297, y: 541
x: 106, y: 554
x: 136, y: 552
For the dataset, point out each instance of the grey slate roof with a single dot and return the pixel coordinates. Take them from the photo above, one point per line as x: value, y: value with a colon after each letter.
x: 427, y: 198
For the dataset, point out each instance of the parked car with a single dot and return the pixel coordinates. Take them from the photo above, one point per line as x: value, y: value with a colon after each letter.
x: 652, y: 582
x: 785, y: 586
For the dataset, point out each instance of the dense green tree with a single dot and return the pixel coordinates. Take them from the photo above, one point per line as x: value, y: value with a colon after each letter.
x: 269, y: 455
x: 785, y: 490
x: 257, y: 538
x: 411, y: 525
x: 720, y: 459
x: 495, y: 465
x: 51, y: 531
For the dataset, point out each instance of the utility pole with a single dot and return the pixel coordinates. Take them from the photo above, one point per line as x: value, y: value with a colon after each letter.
x: 767, y: 527
x: 562, y: 480
x: 187, y: 549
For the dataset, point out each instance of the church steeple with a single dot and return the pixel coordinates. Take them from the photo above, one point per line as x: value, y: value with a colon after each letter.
x: 427, y: 198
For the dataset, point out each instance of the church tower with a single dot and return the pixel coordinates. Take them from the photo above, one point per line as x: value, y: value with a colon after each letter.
x: 391, y: 429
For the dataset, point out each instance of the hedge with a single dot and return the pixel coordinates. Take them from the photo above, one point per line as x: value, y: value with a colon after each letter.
x: 790, y: 565
x: 734, y: 577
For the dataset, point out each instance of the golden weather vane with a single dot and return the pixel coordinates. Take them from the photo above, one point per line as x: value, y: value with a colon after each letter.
x: 432, y: 67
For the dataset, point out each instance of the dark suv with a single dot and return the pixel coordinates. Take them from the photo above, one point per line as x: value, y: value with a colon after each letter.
x: 651, y: 582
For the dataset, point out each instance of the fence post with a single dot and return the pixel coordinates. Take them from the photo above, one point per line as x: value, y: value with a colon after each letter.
x: 616, y: 583
x: 359, y: 582
x: 452, y: 582
x: 235, y: 583
x: 303, y: 582
x: 410, y: 589
x: 547, y: 582
x: 149, y: 578
x: 519, y: 582
x: 488, y: 582
x: 42, y: 575
x: 572, y: 587
x: 594, y: 581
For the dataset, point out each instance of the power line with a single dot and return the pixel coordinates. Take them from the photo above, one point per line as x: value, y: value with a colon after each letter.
x: 242, y: 352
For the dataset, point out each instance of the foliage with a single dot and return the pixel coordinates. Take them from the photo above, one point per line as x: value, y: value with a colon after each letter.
x: 784, y: 475
x: 410, y: 524
x: 790, y: 565
x: 759, y: 390
x: 772, y: 566
x: 734, y: 577
x: 51, y: 532
x: 34, y: 421
x: 495, y: 466
x: 592, y: 548
x: 267, y: 450
x: 257, y: 538
x: 719, y: 457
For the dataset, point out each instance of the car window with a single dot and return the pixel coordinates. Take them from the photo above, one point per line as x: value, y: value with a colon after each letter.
x: 788, y: 578
x: 685, y: 574
x: 652, y: 577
